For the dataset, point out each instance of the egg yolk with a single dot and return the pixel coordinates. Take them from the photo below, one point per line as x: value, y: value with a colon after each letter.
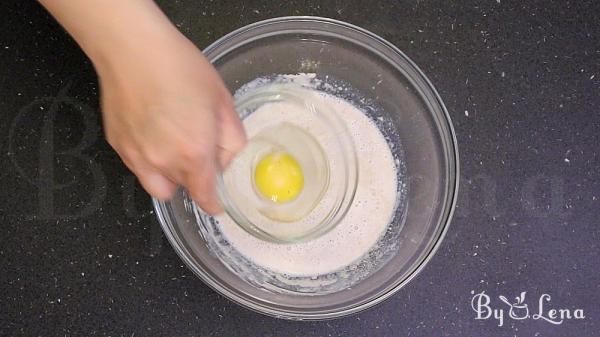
x: 278, y: 177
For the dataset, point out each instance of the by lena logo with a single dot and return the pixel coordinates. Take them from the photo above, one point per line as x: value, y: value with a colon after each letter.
x: 519, y: 310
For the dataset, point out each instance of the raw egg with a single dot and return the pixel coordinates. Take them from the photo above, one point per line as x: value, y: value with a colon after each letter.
x: 278, y: 177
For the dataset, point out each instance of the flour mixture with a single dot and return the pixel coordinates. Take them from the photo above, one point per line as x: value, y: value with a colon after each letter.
x: 369, y: 214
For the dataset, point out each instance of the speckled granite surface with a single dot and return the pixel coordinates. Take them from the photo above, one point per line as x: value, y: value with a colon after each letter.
x: 84, y: 256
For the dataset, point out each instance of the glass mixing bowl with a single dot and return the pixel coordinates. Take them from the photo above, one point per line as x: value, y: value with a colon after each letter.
x: 390, y: 89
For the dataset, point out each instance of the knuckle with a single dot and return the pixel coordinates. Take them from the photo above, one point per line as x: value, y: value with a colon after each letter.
x: 192, y: 153
x: 156, y: 159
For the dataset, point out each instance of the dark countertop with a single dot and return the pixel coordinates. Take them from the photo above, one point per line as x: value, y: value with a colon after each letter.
x: 81, y: 253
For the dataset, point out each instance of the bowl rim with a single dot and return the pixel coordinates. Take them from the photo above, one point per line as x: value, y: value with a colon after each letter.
x: 453, y: 172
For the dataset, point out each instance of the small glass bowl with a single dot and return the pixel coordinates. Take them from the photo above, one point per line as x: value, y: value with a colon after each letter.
x: 317, y: 209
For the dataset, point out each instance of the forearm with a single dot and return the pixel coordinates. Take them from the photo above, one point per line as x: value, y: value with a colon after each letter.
x: 108, y: 27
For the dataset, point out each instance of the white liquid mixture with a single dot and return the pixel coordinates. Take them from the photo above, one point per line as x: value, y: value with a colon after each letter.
x: 369, y: 215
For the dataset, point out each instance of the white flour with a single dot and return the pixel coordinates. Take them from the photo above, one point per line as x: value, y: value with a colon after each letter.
x: 367, y: 219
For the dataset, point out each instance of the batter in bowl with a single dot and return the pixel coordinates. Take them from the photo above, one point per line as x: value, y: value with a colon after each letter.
x: 368, y: 217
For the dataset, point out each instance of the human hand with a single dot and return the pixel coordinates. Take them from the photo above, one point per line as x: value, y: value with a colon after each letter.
x: 166, y: 111
x: 169, y: 116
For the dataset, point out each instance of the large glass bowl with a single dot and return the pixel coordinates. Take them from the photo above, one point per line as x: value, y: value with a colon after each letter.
x: 423, y: 140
